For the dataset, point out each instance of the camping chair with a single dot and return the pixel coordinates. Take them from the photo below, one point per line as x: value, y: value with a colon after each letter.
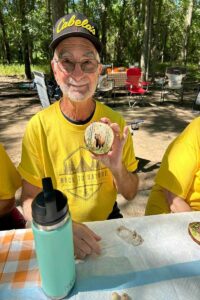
x: 40, y: 82
x: 105, y: 86
x: 48, y: 91
x: 174, y: 82
x: 134, y: 85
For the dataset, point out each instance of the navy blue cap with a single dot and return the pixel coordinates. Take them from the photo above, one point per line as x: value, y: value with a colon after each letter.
x: 75, y: 25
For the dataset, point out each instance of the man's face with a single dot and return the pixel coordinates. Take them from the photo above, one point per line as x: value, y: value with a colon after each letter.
x: 76, y: 68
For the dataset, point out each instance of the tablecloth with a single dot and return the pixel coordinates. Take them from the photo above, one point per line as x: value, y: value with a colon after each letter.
x: 165, y: 266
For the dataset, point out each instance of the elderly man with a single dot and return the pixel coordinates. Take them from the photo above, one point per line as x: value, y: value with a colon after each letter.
x: 53, y: 144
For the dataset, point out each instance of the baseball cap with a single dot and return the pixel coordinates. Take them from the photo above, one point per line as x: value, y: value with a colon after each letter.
x: 75, y: 25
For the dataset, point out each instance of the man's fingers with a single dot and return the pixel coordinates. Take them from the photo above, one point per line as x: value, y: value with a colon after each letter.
x: 115, y: 127
x: 105, y: 120
x: 85, y: 240
x: 96, y: 236
x: 82, y: 246
x: 92, y: 243
x: 125, y: 134
x: 79, y: 254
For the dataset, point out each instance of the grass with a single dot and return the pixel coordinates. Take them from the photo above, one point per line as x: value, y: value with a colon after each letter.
x: 18, y: 70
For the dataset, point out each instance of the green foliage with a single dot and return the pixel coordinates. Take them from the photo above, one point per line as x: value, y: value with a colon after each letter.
x: 17, y: 69
x: 122, y: 21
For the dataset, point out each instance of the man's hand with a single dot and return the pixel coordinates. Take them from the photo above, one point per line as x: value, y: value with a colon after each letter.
x: 85, y: 241
x: 126, y: 182
x: 113, y: 159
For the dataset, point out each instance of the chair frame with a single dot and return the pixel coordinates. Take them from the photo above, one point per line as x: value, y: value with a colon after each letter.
x: 134, y: 81
x: 179, y: 71
x: 104, y: 86
x: 47, y: 93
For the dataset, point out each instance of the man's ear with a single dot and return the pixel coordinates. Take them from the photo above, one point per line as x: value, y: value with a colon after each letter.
x: 53, y: 65
x: 100, y: 69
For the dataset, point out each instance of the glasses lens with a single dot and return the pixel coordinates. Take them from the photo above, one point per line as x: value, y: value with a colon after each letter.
x: 89, y: 66
x: 66, y: 65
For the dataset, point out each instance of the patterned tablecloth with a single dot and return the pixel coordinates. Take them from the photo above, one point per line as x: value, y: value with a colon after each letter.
x: 119, y: 79
x: 165, y: 266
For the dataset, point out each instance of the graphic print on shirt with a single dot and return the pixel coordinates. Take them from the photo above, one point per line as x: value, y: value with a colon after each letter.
x: 82, y: 176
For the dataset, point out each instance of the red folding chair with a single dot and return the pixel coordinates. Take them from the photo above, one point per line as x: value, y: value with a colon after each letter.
x: 134, y: 85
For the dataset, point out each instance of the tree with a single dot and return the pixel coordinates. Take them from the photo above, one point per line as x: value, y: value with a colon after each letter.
x: 57, y: 10
x: 25, y: 37
x: 104, y: 15
x: 145, y: 56
x: 186, y: 30
x: 5, y: 39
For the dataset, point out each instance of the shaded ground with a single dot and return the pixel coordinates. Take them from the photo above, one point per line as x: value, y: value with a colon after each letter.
x: 162, y: 122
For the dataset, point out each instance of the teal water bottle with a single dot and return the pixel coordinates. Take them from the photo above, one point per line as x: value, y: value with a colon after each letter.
x: 52, y: 230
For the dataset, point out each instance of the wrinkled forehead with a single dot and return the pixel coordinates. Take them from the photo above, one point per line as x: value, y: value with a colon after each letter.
x: 75, y: 47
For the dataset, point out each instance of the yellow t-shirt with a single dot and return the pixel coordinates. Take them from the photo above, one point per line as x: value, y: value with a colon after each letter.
x: 179, y: 172
x: 10, y: 180
x: 54, y: 147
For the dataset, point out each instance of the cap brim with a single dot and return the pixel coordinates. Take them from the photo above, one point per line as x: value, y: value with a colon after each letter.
x: 91, y: 38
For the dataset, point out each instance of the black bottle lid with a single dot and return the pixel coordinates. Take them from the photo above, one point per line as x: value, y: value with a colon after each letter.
x: 50, y: 206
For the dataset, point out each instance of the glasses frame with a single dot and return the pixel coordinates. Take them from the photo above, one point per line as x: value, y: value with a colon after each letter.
x: 75, y: 63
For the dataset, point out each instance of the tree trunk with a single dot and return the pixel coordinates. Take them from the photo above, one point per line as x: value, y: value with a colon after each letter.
x: 25, y: 39
x: 120, y: 40
x: 57, y: 10
x: 145, y: 56
x: 186, y: 34
x: 84, y: 7
x: 156, y: 49
x: 5, y: 40
x: 104, y: 24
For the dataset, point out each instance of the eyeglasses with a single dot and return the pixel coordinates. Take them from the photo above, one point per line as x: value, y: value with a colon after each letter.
x: 87, y: 66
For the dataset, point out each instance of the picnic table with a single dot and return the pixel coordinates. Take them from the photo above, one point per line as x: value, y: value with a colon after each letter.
x: 166, y: 265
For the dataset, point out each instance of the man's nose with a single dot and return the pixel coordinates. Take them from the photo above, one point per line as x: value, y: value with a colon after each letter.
x: 77, y: 70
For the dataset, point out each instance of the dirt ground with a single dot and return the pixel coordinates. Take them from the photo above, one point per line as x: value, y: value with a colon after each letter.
x: 161, y: 123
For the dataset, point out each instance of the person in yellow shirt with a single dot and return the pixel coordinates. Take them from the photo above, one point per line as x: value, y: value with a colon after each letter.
x: 10, y: 181
x: 53, y: 144
x: 177, y: 183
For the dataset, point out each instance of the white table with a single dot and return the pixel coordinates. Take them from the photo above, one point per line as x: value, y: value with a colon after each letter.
x: 166, y: 266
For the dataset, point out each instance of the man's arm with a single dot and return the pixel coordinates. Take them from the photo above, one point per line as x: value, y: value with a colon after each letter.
x: 6, y: 206
x: 126, y: 182
x: 176, y: 203
x: 29, y: 192
x: 85, y: 240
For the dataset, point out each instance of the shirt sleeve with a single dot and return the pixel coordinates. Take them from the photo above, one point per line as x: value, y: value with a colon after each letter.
x: 31, y: 167
x: 180, y: 163
x: 10, y: 179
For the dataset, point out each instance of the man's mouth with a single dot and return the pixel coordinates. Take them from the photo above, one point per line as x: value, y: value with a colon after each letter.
x: 77, y: 84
